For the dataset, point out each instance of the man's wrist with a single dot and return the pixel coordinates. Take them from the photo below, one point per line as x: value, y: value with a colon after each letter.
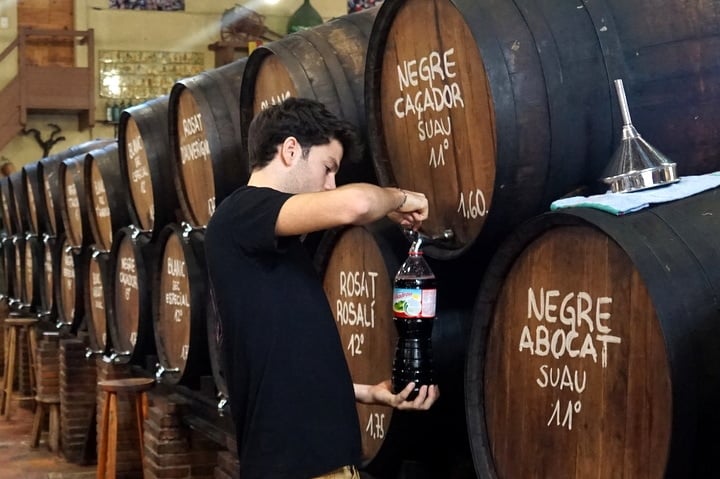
x: 404, y: 199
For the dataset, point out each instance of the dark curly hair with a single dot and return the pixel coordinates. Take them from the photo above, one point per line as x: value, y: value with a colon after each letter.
x: 308, y: 121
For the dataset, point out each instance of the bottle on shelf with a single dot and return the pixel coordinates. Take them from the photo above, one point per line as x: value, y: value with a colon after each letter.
x: 115, y: 111
x: 414, y: 304
x: 108, y: 111
x: 304, y: 17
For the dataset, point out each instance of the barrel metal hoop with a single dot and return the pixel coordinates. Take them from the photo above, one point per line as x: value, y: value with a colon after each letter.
x: 337, y: 73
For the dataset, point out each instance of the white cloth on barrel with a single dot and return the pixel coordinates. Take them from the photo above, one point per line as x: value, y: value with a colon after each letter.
x: 624, y: 203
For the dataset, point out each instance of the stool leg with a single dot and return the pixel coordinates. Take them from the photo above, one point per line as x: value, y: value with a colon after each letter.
x: 10, y: 374
x: 140, y: 414
x: 112, y: 436
x: 32, y: 345
x: 103, y: 449
x: 37, y: 425
x: 54, y: 429
x: 6, y: 364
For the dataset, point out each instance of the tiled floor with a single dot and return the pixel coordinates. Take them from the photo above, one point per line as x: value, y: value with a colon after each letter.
x: 19, y: 461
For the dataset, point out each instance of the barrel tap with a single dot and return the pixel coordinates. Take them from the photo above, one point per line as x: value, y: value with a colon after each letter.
x: 222, y: 404
x: 161, y: 370
x: 89, y: 352
x: 116, y: 357
x: 419, y: 237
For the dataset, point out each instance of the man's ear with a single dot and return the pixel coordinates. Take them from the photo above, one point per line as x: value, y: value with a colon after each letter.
x: 290, y: 150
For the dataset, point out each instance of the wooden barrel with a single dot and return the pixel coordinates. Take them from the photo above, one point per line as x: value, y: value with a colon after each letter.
x: 130, y: 325
x: 358, y: 281
x: 18, y: 252
x: 50, y: 219
x: 97, y: 299
x: 324, y: 63
x: 8, y: 208
x: 594, y: 347
x: 495, y: 109
x: 359, y: 266
x: 51, y: 262
x: 145, y: 164
x: 5, y: 281
x: 106, y: 197
x: 31, y: 187
x: 49, y: 215
x: 8, y: 252
x: 19, y: 203
x: 209, y: 162
x: 68, y: 283
x: 73, y: 209
x: 32, y: 257
x: 215, y: 353
x: 179, y: 303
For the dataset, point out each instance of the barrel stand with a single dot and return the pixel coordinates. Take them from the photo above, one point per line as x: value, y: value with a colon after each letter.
x: 13, y: 327
x: 107, y: 450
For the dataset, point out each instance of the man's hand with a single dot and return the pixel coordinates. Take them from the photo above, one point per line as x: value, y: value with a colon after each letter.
x: 382, y: 394
x: 412, y: 210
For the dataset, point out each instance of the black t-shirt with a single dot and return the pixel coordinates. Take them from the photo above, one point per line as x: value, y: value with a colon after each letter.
x: 291, y: 394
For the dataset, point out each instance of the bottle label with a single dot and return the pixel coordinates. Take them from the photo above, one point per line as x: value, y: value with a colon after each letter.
x: 414, y: 303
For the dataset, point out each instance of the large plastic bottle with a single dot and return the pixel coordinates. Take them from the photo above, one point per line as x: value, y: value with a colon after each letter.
x: 414, y: 304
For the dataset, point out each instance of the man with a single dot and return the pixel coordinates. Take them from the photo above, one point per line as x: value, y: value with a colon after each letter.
x: 291, y: 394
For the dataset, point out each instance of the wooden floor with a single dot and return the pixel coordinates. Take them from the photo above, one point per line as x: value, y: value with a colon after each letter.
x: 19, y: 461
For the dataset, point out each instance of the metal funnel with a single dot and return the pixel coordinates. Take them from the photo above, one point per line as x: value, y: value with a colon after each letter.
x: 636, y: 165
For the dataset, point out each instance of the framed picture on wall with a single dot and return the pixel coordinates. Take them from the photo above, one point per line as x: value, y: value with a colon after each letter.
x: 171, y: 5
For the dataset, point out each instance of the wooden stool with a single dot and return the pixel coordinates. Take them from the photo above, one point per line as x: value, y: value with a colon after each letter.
x: 49, y: 405
x: 107, y: 453
x: 47, y: 389
x: 13, y: 325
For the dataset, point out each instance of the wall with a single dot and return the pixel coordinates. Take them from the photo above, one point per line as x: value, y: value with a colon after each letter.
x: 191, y: 30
